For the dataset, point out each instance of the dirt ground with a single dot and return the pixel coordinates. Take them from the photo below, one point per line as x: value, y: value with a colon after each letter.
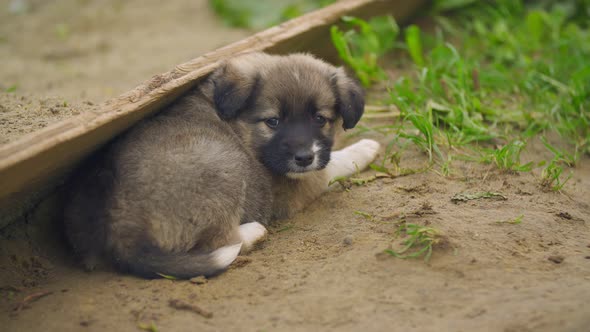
x: 62, y: 57
x: 325, y: 268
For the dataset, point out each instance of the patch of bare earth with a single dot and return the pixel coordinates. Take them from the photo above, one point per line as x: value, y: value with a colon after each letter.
x: 325, y: 268
x: 79, y: 52
x: 322, y: 270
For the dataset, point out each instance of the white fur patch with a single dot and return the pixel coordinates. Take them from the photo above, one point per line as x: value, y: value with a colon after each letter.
x: 224, y: 256
x: 315, y: 147
x: 251, y: 233
x: 355, y: 157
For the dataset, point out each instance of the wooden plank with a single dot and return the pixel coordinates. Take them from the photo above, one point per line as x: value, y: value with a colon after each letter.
x: 29, y: 162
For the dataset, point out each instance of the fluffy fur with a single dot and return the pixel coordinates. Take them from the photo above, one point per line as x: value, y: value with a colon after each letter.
x: 184, y: 192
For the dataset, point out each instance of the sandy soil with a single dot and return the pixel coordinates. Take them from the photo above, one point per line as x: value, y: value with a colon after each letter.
x: 325, y: 268
x: 82, y: 52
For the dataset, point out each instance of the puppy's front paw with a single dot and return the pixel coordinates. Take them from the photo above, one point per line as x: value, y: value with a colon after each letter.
x: 369, y: 147
x: 363, y: 152
x: 353, y: 158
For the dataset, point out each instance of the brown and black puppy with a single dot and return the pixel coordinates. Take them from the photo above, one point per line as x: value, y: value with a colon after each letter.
x: 184, y: 192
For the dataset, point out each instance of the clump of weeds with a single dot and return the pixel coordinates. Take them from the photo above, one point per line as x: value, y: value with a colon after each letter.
x: 491, y: 77
x: 507, y: 158
x: 420, y: 241
x: 551, y: 176
x: 361, y: 46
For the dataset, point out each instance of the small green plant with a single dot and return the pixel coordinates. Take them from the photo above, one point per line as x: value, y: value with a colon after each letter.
x: 414, y: 44
x: 420, y: 241
x: 560, y: 155
x: 151, y: 327
x: 62, y: 31
x: 507, y: 158
x: 367, y: 216
x: 363, y: 45
x: 390, y: 165
x: 165, y: 276
x: 551, y: 176
x: 348, y: 182
x: 425, y: 141
x: 514, y: 221
x: 11, y: 88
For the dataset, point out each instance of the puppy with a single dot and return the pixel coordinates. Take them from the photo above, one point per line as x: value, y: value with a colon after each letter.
x: 184, y: 192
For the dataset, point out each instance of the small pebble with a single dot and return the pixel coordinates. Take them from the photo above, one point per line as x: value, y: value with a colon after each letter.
x: 556, y: 259
x: 347, y: 241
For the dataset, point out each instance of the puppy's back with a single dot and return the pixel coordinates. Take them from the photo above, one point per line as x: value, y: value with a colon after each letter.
x: 167, y: 195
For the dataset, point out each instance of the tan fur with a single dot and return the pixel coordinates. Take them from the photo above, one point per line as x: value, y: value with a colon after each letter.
x: 290, y: 195
x: 175, y: 189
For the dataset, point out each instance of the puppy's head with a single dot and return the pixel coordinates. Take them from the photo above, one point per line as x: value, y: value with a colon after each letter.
x: 286, y: 109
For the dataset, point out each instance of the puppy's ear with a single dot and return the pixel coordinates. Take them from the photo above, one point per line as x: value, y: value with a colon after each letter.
x: 350, y: 98
x: 233, y: 90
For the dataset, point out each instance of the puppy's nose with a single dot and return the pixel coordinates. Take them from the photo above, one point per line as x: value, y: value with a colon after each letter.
x: 303, y: 158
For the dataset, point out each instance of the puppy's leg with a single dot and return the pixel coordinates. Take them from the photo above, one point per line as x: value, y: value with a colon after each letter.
x: 251, y: 233
x: 351, y: 159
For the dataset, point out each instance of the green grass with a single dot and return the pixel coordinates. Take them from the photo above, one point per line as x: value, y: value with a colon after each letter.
x: 414, y: 43
x: 561, y: 156
x: 361, y: 46
x: 420, y: 242
x: 490, y: 78
x: 62, y: 31
x: 507, y: 158
x: 514, y: 221
x: 552, y: 178
x: 165, y: 276
x: 151, y: 327
x: 347, y: 182
x: 262, y: 13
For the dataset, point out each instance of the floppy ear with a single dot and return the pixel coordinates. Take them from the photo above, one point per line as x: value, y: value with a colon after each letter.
x: 350, y: 98
x: 233, y: 91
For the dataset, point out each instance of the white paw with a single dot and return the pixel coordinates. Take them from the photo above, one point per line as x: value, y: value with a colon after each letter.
x: 352, y: 159
x: 363, y: 152
x: 369, y: 147
x: 224, y: 256
x: 251, y: 233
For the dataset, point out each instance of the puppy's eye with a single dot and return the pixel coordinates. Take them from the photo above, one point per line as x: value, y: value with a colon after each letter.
x: 272, y: 122
x: 320, y: 120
